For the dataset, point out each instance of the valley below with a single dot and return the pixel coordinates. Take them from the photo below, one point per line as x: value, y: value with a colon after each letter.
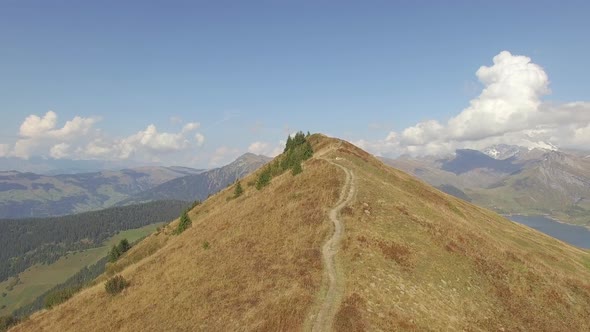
x: 25, y: 287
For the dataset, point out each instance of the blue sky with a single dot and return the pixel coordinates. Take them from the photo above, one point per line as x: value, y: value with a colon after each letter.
x: 249, y: 72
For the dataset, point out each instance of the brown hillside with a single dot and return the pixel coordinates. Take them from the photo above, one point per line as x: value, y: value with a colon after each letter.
x: 411, y: 259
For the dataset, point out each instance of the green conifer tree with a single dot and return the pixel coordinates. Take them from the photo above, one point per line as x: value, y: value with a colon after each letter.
x: 296, y: 169
x: 289, y: 143
x: 114, y: 254
x: 123, y: 246
x: 264, y: 178
x: 238, y: 191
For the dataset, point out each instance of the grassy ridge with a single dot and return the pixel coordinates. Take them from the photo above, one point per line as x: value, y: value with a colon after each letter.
x: 414, y: 259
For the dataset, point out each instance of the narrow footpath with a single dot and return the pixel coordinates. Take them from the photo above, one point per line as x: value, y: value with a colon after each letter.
x: 324, y: 318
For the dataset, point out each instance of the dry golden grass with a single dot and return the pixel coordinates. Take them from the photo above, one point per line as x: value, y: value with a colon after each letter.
x: 415, y: 259
x: 421, y: 260
x: 261, y: 272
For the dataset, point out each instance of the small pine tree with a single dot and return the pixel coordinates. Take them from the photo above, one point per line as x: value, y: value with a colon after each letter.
x: 185, y: 222
x: 296, y: 169
x: 299, y: 139
x: 124, y: 246
x: 238, y: 191
x: 114, y: 254
x: 289, y: 143
x: 118, y: 250
x: 264, y: 178
x: 307, y: 151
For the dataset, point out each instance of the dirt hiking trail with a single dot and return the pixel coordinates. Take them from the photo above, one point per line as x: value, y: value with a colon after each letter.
x: 323, y: 317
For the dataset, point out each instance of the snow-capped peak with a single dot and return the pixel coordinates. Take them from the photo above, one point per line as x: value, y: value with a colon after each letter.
x: 502, y: 151
x: 505, y: 151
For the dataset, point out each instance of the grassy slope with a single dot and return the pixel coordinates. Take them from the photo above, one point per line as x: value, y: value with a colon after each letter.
x: 40, y: 278
x: 262, y: 270
x: 423, y: 260
x: 414, y: 259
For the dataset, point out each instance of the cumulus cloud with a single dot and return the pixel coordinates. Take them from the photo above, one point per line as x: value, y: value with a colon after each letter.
x: 79, y: 139
x: 60, y: 151
x: 37, y: 127
x: 267, y: 149
x: 152, y: 140
x: 39, y: 134
x: 148, y: 144
x: 509, y: 109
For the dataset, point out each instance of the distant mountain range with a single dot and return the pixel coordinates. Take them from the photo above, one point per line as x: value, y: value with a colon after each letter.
x: 512, y: 179
x: 25, y: 195
x: 51, y: 166
x: 200, y: 186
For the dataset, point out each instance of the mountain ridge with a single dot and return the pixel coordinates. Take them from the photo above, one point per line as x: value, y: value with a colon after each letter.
x: 29, y: 195
x: 200, y: 186
x: 412, y: 257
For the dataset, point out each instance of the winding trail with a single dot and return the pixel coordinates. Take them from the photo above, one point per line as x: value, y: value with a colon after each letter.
x: 324, y: 318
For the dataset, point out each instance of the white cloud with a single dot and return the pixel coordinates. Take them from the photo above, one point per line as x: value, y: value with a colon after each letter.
x: 150, y: 142
x: 422, y: 133
x: 267, y: 149
x: 39, y: 134
x: 34, y: 125
x: 153, y: 140
x: 509, y: 109
x: 511, y: 97
x: 98, y: 148
x: 37, y: 127
x: 79, y: 139
x: 60, y: 151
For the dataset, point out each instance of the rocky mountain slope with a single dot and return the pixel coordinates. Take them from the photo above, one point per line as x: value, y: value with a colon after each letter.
x: 556, y: 183
x: 411, y: 258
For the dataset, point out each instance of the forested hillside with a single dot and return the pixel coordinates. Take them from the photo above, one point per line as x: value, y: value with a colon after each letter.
x: 25, y: 242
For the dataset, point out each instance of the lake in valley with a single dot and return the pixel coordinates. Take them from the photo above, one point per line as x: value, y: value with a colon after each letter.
x: 576, y: 235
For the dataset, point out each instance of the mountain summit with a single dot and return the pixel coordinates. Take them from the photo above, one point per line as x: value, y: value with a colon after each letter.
x: 348, y: 244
